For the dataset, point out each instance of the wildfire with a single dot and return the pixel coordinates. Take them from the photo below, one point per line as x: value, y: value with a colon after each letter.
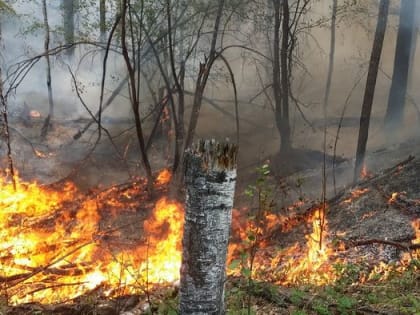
x: 55, y: 244
x: 164, y: 177
x: 365, y: 172
x: 54, y: 249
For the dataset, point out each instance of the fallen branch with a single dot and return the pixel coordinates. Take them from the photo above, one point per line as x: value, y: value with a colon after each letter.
x: 401, y: 246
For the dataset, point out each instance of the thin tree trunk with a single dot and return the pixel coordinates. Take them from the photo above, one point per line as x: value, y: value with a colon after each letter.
x: 324, y: 110
x: 285, y: 83
x: 413, y: 51
x: 202, y: 79
x: 68, y: 23
x: 370, y: 87
x: 210, y: 180
x: 179, y: 129
x: 3, y: 109
x: 396, y: 100
x: 47, y: 121
x: 102, y: 21
x: 276, y: 68
x: 281, y: 72
x: 135, y: 103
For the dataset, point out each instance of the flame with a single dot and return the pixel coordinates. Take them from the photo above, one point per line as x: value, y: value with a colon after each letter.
x: 364, y: 173
x: 356, y: 193
x: 164, y: 177
x: 313, y: 266
x: 56, y: 245
x: 54, y: 249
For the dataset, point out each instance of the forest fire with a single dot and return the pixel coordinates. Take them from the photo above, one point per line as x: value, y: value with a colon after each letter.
x: 55, y: 247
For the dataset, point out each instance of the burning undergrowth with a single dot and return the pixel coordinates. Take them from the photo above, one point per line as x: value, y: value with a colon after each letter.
x: 59, y: 244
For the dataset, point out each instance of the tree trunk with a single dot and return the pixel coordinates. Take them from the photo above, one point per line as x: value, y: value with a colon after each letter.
x: 370, y: 86
x: 5, y: 128
x: 203, y: 77
x: 396, y: 100
x: 47, y: 121
x: 285, y: 84
x: 102, y: 21
x: 413, y: 51
x: 68, y: 24
x: 210, y: 176
x: 135, y: 102
x: 281, y: 72
x: 276, y: 67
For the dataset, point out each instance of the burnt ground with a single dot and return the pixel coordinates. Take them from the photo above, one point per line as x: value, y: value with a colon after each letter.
x: 370, y: 225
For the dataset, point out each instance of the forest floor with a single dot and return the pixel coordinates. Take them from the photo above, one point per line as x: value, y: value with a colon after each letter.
x: 370, y: 235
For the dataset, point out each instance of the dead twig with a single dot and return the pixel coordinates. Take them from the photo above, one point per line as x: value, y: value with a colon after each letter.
x: 401, y: 246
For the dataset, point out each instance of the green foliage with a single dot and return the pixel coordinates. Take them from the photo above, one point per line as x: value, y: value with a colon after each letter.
x: 6, y: 8
x: 347, y: 274
x: 296, y: 297
x: 321, y: 308
x: 345, y: 305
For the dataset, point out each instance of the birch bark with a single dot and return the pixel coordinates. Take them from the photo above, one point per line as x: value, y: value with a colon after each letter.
x: 210, y: 177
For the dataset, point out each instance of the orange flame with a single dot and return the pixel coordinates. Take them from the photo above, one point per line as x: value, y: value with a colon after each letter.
x: 53, y: 248
x: 164, y: 177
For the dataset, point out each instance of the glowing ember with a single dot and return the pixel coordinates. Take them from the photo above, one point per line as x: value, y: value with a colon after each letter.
x: 356, y: 194
x: 365, y: 173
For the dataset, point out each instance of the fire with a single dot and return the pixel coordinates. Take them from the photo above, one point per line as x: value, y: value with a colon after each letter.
x: 365, y: 172
x: 164, y: 177
x: 311, y: 263
x: 314, y: 265
x: 356, y: 193
x: 54, y: 249
x: 55, y: 243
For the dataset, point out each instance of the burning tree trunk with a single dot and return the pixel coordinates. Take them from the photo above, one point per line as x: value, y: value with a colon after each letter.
x: 210, y: 176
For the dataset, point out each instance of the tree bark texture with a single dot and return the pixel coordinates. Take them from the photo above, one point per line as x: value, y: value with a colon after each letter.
x: 210, y: 176
x: 68, y: 23
x: 370, y: 87
x: 396, y: 100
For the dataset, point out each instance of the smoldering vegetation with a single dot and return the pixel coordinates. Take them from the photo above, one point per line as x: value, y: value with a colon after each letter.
x: 252, y: 34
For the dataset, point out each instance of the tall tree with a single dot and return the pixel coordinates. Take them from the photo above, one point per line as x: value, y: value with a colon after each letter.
x: 47, y: 121
x: 286, y: 21
x: 133, y: 84
x: 68, y: 24
x: 398, y: 91
x: 370, y: 86
x: 324, y: 109
x: 281, y: 73
x: 102, y: 21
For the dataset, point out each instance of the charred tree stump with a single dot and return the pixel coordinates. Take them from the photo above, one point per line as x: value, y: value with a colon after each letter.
x: 210, y: 177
